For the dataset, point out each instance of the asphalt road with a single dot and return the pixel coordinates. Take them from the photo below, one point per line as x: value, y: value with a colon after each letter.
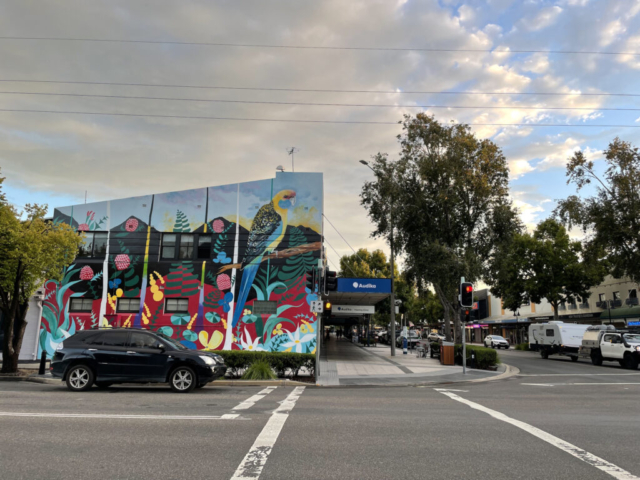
x: 548, y: 422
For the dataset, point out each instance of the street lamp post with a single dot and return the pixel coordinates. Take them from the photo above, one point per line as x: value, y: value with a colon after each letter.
x: 393, y: 296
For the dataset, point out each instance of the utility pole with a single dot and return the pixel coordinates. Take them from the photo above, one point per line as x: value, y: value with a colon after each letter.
x: 393, y: 294
x: 291, y: 151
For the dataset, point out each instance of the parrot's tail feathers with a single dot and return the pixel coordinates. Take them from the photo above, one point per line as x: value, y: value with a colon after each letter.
x: 248, y: 275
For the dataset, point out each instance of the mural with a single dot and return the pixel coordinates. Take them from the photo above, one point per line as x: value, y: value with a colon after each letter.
x: 215, y: 250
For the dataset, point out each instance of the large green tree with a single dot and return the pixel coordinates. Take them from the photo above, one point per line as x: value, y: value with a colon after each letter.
x: 32, y: 250
x: 610, y: 216
x: 451, y: 205
x: 546, y: 264
x: 365, y: 264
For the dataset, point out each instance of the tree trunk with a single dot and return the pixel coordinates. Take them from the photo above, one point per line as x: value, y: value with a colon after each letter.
x: 445, y: 306
x: 457, y: 326
x: 554, y: 305
x: 13, y: 335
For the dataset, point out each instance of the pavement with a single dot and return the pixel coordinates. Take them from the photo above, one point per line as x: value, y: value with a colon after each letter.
x: 555, y: 419
x: 344, y: 363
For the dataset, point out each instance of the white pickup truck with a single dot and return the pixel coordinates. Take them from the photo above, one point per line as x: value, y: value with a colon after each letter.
x: 601, y: 343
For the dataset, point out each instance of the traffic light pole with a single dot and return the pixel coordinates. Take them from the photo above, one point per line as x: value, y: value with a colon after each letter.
x: 393, y: 299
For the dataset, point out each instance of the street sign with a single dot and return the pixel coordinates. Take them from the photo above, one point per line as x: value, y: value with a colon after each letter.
x: 353, y: 309
x: 317, y: 306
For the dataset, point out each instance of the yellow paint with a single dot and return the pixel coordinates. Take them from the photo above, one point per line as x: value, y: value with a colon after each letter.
x: 158, y: 296
x: 288, y: 349
x: 152, y: 281
x: 119, y: 292
x: 305, y: 218
x: 193, y: 319
x: 168, y: 222
x: 224, y: 323
x: 160, y: 277
x: 211, y: 343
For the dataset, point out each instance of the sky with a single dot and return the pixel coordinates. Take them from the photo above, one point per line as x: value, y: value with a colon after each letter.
x: 56, y: 158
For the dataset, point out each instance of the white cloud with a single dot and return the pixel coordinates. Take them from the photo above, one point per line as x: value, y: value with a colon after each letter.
x: 611, y: 32
x: 543, y: 19
x: 518, y: 168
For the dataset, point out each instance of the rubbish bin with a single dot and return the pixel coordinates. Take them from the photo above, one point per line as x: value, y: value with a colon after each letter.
x: 446, y: 353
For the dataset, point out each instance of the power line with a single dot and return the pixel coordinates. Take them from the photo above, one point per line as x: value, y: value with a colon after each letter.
x: 293, y: 120
x: 319, y: 90
x: 315, y: 104
x: 316, y: 47
x: 345, y: 240
x: 334, y: 250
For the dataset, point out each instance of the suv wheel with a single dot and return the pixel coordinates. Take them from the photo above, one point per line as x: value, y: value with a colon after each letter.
x: 183, y: 380
x: 80, y: 378
x: 631, y: 361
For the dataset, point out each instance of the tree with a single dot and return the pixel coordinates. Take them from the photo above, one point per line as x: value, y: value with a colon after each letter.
x: 610, y: 218
x: 546, y: 265
x: 365, y: 265
x: 32, y: 250
x: 451, y: 207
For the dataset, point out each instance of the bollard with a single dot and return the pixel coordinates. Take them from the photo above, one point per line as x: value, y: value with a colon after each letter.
x: 404, y: 346
x: 43, y: 362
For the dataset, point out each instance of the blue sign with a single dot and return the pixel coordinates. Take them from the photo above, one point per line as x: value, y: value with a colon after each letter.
x: 364, y: 285
x: 634, y: 324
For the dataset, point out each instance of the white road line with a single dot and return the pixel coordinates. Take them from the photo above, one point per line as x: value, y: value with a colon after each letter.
x: 577, y: 452
x: 575, y: 374
x: 562, y: 384
x: 253, y: 463
x: 115, y: 416
x: 251, y: 401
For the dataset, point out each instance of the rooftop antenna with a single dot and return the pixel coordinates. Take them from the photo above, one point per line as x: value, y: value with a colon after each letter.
x: 291, y: 151
x: 85, y: 197
x: 280, y: 168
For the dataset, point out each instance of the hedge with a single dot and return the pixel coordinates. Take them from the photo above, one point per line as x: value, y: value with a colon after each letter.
x: 283, y: 363
x: 523, y: 346
x: 484, y: 357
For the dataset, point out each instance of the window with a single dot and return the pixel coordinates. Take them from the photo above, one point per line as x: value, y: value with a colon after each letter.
x: 128, y: 305
x: 80, y: 305
x: 94, y: 244
x: 186, y: 246
x: 114, y: 339
x: 616, y: 296
x: 633, y: 293
x: 549, y: 332
x: 169, y: 245
x: 176, y: 305
x: 142, y: 340
x: 93, y: 339
x: 204, y: 246
x: 602, y: 297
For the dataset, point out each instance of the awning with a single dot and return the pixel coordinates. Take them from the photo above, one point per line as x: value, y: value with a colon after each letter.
x: 627, y: 312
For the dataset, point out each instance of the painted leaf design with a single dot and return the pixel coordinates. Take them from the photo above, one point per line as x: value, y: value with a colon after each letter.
x: 212, y: 317
x: 180, y: 319
x: 190, y: 335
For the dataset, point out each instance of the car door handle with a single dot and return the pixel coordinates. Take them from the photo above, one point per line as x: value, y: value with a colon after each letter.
x: 131, y: 353
x: 93, y: 350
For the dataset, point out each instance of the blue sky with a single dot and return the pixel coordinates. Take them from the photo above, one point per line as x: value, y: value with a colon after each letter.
x: 55, y: 158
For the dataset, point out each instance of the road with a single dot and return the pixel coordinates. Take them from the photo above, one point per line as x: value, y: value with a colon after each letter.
x: 556, y: 420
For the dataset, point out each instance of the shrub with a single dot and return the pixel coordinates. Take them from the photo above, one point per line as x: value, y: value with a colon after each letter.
x: 523, y: 346
x: 259, y: 370
x: 285, y: 364
x: 484, y: 357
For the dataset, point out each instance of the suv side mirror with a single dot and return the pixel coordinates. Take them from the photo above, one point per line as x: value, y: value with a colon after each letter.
x: 160, y: 346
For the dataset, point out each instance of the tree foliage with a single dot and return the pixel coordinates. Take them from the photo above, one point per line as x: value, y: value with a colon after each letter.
x: 610, y: 218
x: 447, y: 196
x: 546, y: 264
x: 365, y: 264
x: 32, y: 250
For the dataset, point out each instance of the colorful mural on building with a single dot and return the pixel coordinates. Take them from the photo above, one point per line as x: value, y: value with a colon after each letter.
x: 192, y: 264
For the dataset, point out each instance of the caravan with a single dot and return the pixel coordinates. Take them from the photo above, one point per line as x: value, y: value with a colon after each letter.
x: 556, y: 338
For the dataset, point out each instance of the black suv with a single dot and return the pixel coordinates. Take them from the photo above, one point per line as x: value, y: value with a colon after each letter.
x: 130, y: 355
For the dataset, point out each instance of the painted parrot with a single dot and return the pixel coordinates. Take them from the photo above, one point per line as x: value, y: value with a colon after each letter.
x: 267, y: 231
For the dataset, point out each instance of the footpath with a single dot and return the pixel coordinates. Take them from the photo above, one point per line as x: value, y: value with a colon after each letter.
x: 343, y: 363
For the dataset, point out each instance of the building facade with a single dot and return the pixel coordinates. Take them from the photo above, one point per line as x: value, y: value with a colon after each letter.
x: 613, y: 301
x: 214, y: 268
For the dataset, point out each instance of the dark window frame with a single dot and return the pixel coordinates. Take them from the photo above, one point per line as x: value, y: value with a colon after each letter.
x: 93, y: 253
x: 546, y: 333
x: 136, y: 310
x: 82, y: 309
x: 195, y: 246
x: 168, y: 310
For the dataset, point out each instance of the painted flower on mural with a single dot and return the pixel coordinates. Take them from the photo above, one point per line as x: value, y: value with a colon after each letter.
x: 311, y: 297
x: 83, y: 227
x: 218, y: 226
x: 223, y: 281
x: 222, y: 258
x: 296, y: 343
x: 86, y: 273
x: 251, y: 345
x: 114, y: 283
x: 131, y: 225
x: 225, y: 302
x: 122, y: 261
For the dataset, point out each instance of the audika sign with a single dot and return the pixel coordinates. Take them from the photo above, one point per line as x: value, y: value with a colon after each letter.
x: 364, y: 285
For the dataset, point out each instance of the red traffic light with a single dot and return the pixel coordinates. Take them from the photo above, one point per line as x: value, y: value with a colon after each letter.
x: 469, y: 288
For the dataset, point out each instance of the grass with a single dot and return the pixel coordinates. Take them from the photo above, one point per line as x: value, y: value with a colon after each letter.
x: 259, y: 370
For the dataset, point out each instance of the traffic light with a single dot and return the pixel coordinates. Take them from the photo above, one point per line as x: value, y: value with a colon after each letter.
x: 311, y: 280
x: 330, y: 281
x: 466, y: 294
x: 327, y: 308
